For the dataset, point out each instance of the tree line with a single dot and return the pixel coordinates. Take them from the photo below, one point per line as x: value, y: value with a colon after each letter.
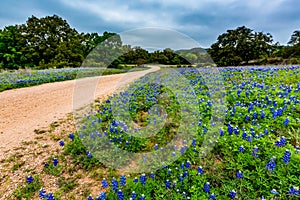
x: 50, y: 41
x: 244, y: 46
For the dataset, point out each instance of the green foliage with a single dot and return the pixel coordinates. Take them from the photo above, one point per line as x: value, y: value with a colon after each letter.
x: 239, y: 46
x: 28, y: 189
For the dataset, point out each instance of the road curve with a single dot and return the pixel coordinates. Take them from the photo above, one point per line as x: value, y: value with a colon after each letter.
x: 26, y: 109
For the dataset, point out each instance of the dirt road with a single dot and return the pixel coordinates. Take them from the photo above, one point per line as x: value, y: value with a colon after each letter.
x: 24, y: 110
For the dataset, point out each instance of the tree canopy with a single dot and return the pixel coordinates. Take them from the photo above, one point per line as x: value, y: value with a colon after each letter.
x: 239, y: 46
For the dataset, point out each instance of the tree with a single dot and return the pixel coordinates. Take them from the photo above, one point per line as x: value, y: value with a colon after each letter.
x: 51, y: 42
x: 295, y: 38
x: 239, y: 46
x: 11, y: 56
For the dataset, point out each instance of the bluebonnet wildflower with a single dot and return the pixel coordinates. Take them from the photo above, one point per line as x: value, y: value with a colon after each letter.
x: 142, y: 197
x: 120, y: 195
x: 71, y: 136
x: 281, y: 142
x: 212, y: 196
x: 135, y: 180
x: 50, y: 196
x: 232, y: 194
x: 114, y: 184
x: 294, y: 191
x: 182, y: 166
x: 194, y: 142
x: 168, y: 184
x: 104, y: 183
x: 286, y: 122
x: 29, y: 179
x: 152, y: 175
x: 90, y: 198
x: 188, y: 164
x: 221, y: 132
x: 249, y: 138
x: 200, y: 170
x: 244, y: 136
x: 61, y: 143
x: 55, y: 162
x: 89, y: 155
x: 133, y: 195
x: 287, y: 156
x: 102, y: 196
x: 206, y: 187
x: 271, y: 164
x: 180, y: 177
x: 123, y: 180
x: 241, y: 149
x: 254, y: 152
x: 42, y: 193
x: 229, y: 129
x: 239, y: 174
x: 156, y: 147
x: 143, y: 179
x: 185, y: 174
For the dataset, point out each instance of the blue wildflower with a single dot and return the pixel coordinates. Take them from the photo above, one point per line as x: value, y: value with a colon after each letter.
x: 152, y: 175
x: 114, y: 184
x: 143, y: 179
x: 104, y: 183
x: 29, y: 179
x: 286, y: 122
x: 212, y: 196
x: 133, y: 195
x: 194, y: 142
x: 89, y: 155
x: 188, y: 164
x: 206, y: 187
x: 102, y: 196
x: 55, y: 162
x: 294, y: 191
x: 168, y: 184
x: 123, y: 180
x: 254, y: 152
x: 142, y: 197
x: 287, y: 156
x: 271, y: 164
x: 221, y: 132
x: 71, y: 136
x: 232, y: 194
x: 61, y: 143
x: 200, y: 170
x: 241, y: 149
x: 120, y: 195
x: 42, y: 193
x: 239, y: 175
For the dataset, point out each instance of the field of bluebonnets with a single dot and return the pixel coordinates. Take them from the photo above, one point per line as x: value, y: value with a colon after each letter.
x: 27, y: 78
x: 255, y: 153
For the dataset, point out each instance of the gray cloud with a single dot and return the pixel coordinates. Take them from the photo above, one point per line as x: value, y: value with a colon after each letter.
x: 202, y: 20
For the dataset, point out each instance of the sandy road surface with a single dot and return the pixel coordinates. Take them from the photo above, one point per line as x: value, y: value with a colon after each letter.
x: 24, y: 110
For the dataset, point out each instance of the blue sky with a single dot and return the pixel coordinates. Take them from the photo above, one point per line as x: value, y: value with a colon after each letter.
x: 202, y: 20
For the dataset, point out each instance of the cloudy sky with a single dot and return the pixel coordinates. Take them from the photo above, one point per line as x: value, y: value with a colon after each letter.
x: 202, y: 20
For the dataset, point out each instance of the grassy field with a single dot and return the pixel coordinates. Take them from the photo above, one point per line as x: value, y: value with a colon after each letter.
x: 231, y: 136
